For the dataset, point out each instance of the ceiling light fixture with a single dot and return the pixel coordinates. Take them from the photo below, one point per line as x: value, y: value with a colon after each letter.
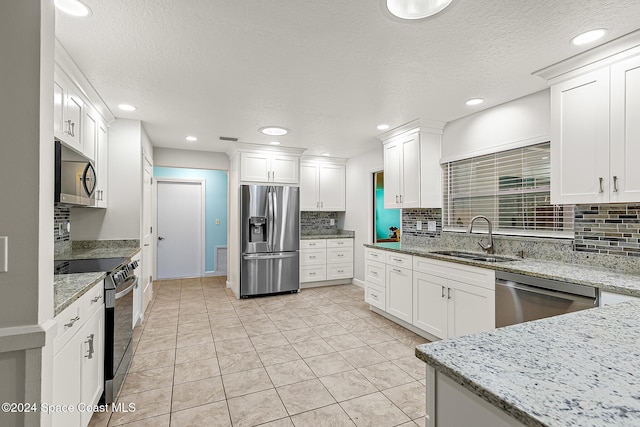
x: 383, y: 127
x: 589, y: 36
x: 126, y: 107
x: 275, y: 143
x: 73, y: 7
x: 191, y: 138
x: 475, y: 101
x: 326, y: 154
x: 416, y: 9
x: 274, y: 130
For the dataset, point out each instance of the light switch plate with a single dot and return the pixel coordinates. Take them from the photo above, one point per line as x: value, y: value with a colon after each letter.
x: 4, y: 256
x: 217, y: 221
x: 419, y: 225
x: 431, y: 225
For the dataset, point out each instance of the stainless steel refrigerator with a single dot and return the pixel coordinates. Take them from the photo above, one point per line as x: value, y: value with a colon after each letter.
x: 270, y: 239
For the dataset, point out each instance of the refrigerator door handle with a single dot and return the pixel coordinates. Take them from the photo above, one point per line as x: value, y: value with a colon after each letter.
x: 270, y: 221
x: 278, y: 255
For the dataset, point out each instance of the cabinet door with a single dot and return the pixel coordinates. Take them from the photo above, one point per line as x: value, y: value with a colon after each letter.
x: 430, y: 304
x: 102, y: 164
x: 392, y: 174
x: 399, y: 293
x: 471, y: 309
x: 332, y: 187
x: 92, y: 375
x: 73, y: 119
x: 67, y: 383
x: 410, y: 195
x: 580, y: 139
x: 89, y: 132
x: 58, y: 108
x: 625, y: 131
x: 284, y: 169
x: 309, y: 187
x: 254, y: 167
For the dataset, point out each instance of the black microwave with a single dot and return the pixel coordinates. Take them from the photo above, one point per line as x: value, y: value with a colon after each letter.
x: 75, y: 177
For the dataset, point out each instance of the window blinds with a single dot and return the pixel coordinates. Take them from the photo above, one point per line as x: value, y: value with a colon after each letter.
x: 511, y: 188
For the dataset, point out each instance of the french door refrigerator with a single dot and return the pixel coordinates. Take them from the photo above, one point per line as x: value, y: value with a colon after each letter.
x: 270, y: 239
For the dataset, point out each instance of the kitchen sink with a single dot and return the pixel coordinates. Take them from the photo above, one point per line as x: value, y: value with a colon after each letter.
x: 476, y: 256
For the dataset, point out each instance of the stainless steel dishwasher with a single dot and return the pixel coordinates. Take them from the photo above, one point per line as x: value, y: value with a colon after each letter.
x: 521, y: 298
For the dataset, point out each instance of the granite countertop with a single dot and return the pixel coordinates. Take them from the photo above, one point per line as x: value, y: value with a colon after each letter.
x: 67, y: 288
x: 576, y: 369
x: 340, y: 234
x: 92, y: 253
x: 605, y: 279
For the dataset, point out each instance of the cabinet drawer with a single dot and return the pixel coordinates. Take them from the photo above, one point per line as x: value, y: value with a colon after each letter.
x: 339, y: 255
x: 374, y: 273
x: 374, y: 254
x: 313, y: 257
x: 339, y: 271
x: 313, y: 244
x: 339, y: 243
x: 374, y: 295
x: 313, y: 273
x: 400, y: 260
x: 93, y: 299
x: 68, y: 323
x: 476, y: 276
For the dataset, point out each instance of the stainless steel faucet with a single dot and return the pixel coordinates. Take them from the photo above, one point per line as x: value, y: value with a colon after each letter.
x: 487, y: 248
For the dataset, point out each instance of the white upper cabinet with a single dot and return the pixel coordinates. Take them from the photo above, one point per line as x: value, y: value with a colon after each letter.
x: 625, y: 131
x: 89, y: 132
x: 412, y: 172
x: 102, y: 164
x: 67, y: 114
x: 595, y: 131
x: 269, y: 167
x: 322, y: 186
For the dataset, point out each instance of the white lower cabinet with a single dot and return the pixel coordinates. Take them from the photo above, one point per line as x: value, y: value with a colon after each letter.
x: 443, y: 299
x: 326, y: 260
x: 78, y: 362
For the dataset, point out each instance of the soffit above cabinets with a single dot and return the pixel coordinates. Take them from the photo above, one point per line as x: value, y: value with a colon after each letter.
x: 227, y: 67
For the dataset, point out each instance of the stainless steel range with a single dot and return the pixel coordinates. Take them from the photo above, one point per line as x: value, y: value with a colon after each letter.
x: 118, y: 296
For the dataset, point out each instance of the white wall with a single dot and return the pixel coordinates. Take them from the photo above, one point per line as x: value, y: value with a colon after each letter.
x: 121, y: 219
x: 359, y: 209
x: 517, y: 123
x: 190, y: 159
x: 26, y: 190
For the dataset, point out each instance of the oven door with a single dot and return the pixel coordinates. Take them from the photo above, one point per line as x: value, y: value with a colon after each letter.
x: 118, y: 337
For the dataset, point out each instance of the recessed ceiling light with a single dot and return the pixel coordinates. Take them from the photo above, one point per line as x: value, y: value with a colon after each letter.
x: 475, y: 101
x: 383, y: 127
x: 275, y: 143
x: 191, y: 138
x: 589, y: 36
x: 274, y: 131
x: 416, y: 9
x: 126, y: 107
x: 73, y: 7
x: 326, y: 154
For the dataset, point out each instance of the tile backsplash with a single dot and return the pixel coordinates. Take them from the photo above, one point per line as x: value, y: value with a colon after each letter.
x: 61, y: 215
x: 318, y: 222
x: 612, y: 229
x: 411, y: 216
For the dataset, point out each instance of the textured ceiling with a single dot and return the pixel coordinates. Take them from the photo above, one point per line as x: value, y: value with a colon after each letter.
x: 216, y: 68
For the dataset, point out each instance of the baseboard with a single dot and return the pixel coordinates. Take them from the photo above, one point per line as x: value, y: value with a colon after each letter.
x: 359, y: 283
x: 214, y: 273
x: 308, y: 285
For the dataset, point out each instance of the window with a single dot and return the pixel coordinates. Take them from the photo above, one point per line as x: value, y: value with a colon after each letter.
x: 511, y: 188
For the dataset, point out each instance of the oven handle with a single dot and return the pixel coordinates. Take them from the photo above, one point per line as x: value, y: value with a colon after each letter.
x: 133, y: 279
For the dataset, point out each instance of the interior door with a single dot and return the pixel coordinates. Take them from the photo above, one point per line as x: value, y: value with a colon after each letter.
x: 147, y: 235
x: 180, y: 231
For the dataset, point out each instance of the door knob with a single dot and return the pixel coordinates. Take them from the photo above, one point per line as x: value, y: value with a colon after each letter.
x: 160, y: 238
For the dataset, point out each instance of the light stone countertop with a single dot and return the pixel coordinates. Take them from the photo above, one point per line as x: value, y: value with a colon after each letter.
x: 341, y: 234
x: 602, y: 278
x: 577, y: 369
x: 67, y: 288
x: 93, y: 253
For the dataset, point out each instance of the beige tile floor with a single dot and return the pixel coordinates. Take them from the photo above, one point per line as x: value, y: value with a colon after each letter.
x: 316, y: 358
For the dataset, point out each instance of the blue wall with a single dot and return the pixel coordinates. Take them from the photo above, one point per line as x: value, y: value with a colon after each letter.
x: 216, y: 205
x: 385, y: 218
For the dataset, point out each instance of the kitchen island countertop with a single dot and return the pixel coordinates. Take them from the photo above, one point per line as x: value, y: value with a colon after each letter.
x: 577, y: 369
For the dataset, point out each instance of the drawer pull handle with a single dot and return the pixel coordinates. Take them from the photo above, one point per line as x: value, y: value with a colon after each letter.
x: 312, y: 257
x: 442, y: 292
x: 341, y: 243
x: 90, y: 352
x: 615, y: 184
x: 72, y: 321
x: 601, y: 180
x: 374, y: 295
x: 448, y: 293
x: 312, y: 244
x: 397, y: 271
x: 340, y: 271
x: 312, y: 274
x: 340, y: 255
x: 96, y: 299
x: 373, y: 273
x: 397, y: 260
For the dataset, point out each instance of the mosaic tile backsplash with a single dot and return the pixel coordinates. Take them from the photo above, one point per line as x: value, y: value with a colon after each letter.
x: 612, y: 229
x: 411, y: 216
x: 61, y: 215
x: 318, y: 222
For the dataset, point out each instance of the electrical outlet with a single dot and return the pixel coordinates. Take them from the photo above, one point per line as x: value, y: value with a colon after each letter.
x: 431, y: 225
x: 419, y: 225
x: 332, y: 221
